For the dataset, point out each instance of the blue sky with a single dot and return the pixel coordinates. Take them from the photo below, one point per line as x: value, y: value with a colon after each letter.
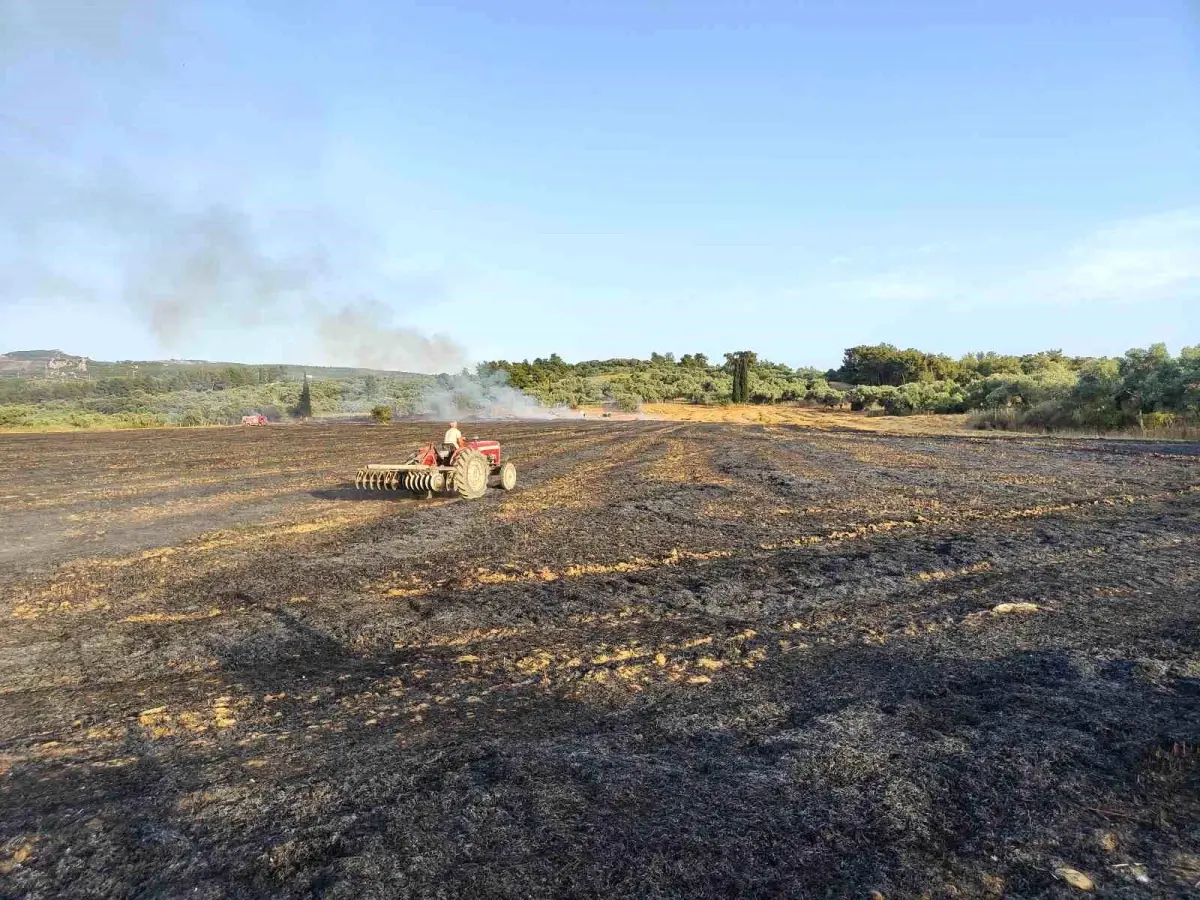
x: 341, y: 182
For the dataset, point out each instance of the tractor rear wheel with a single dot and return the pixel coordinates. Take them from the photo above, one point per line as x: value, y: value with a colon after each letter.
x: 471, y: 474
x: 508, y: 476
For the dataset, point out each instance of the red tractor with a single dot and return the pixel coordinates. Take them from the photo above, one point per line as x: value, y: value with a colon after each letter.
x: 436, y: 468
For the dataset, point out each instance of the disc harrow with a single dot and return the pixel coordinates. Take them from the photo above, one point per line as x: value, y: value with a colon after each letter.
x: 468, y: 471
x: 424, y: 482
x: 379, y: 479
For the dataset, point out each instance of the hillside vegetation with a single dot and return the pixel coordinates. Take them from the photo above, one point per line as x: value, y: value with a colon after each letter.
x: 1145, y: 388
x: 199, y: 394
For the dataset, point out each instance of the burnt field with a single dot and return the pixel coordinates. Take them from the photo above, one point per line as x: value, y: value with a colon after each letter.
x: 680, y: 660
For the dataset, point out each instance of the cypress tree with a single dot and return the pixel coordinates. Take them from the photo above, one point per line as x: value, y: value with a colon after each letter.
x: 304, y: 407
x: 740, y: 364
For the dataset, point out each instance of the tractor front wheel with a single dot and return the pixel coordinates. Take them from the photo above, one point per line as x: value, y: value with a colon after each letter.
x: 508, y: 476
x: 471, y: 474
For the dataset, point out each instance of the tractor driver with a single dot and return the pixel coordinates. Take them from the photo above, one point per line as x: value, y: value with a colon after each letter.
x: 453, y: 437
x: 453, y: 440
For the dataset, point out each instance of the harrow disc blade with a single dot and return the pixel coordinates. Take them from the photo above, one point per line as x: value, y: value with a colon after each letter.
x: 418, y: 481
x: 381, y: 479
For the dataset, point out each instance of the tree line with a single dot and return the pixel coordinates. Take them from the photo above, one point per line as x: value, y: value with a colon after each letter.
x: 1145, y: 387
x: 194, y: 378
x: 1047, y: 389
x: 197, y: 398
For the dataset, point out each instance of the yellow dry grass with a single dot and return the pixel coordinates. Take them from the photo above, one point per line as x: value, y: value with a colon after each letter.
x: 821, y: 419
x: 161, y: 722
x: 943, y: 574
x: 577, y: 488
x: 684, y: 462
x: 632, y: 665
x: 20, y: 854
x: 74, y: 589
x: 162, y: 618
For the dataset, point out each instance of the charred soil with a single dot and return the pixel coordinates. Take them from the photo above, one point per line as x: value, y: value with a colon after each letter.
x: 680, y: 660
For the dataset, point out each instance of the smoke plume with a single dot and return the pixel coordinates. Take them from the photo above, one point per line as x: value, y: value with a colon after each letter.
x: 112, y: 195
x: 362, y: 332
x: 484, y: 395
x: 209, y: 268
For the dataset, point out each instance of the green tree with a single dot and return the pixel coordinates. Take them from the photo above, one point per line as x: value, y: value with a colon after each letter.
x: 875, y: 365
x: 627, y: 402
x: 738, y: 365
x: 381, y: 414
x: 304, y: 406
x: 1145, y: 376
x: 1095, y: 392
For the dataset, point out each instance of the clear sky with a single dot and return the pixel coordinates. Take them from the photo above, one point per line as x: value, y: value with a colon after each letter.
x: 321, y: 182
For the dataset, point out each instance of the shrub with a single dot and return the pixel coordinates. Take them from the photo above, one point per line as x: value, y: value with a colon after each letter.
x: 627, y: 402
x: 17, y: 416
x: 381, y: 414
x: 988, y: 419
x: 1160, y: 420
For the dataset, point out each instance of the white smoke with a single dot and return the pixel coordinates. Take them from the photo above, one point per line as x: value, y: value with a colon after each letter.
x: 484, y: 395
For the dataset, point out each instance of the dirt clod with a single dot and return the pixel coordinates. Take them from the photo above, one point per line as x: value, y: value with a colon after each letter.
x: 1074, y: 878
x: 1001, y: 609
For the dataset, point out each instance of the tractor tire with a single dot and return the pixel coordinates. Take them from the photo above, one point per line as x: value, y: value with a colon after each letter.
x: 470, y: 475
x: 508, y: 476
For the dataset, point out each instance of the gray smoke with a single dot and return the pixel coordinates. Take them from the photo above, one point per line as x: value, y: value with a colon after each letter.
x: 361, y: 334
x: 209, y: 268
x: 484, y: 395
x: 104, y: 235
x: 111, y: 196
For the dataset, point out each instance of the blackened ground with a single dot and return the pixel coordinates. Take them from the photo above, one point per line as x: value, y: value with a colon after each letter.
x: 678, y: 661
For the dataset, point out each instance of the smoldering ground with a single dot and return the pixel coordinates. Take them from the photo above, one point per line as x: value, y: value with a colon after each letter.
x: 485, y: 394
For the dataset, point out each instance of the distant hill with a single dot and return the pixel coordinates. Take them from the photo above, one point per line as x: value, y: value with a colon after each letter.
x: 42, y: 364
x: 287, y: 371
x: 46, y: 389
x: 35, y: 354
x: 53, y: 363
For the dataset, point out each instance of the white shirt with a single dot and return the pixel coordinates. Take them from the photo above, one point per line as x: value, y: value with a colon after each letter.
x: 452, y: 436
